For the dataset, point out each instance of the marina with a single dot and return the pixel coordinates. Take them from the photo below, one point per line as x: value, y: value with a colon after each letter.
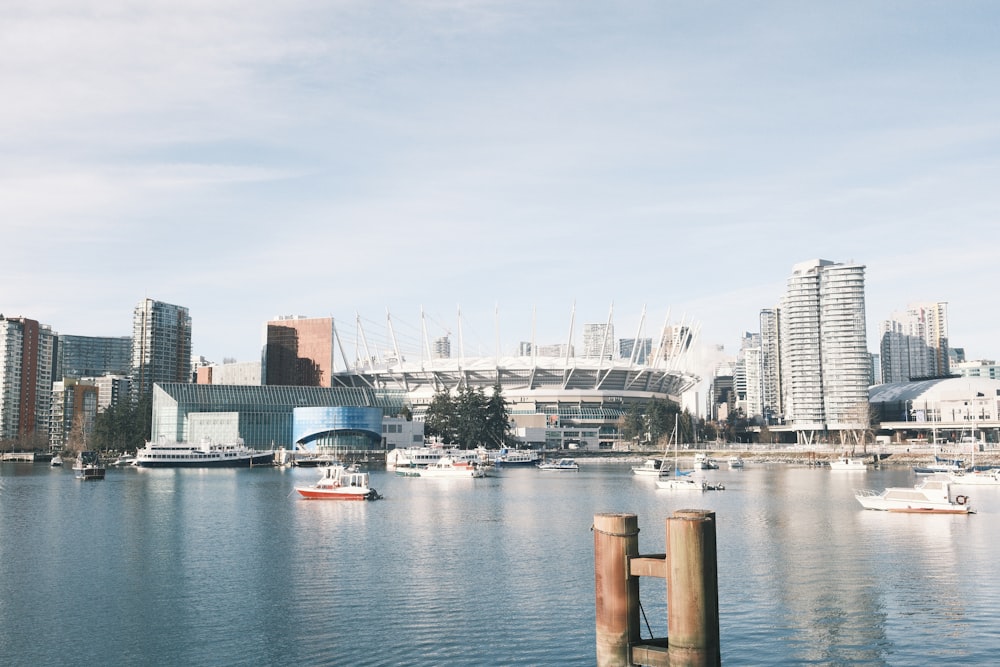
x: 192, y: 552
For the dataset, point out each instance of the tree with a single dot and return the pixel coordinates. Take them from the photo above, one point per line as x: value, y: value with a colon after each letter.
x: 633, y: 423
x: 470, y: 426
x: 497, y: 427
x: 124, y: 426
x: 439, y: 416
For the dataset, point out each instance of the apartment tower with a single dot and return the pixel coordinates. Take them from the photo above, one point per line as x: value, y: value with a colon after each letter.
x: 26, y: 365
x: 824, y: 358
x: 161, y: 345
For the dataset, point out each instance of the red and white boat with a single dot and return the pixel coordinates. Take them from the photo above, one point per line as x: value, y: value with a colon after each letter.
x: 339, y: 483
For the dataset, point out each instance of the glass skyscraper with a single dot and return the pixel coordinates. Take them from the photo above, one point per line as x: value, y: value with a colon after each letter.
x: 161, y: 345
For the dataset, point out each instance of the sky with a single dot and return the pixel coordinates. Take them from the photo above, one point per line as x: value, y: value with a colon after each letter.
x: 520, y: 163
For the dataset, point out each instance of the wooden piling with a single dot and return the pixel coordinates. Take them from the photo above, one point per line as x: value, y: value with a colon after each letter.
x: 692, y: 590
x: 616, y: 539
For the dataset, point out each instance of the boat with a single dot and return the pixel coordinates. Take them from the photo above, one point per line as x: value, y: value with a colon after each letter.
x: 339, y: 483
x: 652, y: 468
x: 683, y: 481
x: 446, y: 466
x: 846, y: 463
x: 421, y: 457
x: 91, y: 471
x: 989, y: 477
x: 315, y: 461
x: 735, y: 462
x: 516, y: 457
x: 123, y: 461
x: 88, y: 466
x: 85, y: 458
x: 941, y: 464
x: 562, y: 465
x: 703, y: 461
x: 56, y: 461
x: 932, y: 496
x: 208, y: 454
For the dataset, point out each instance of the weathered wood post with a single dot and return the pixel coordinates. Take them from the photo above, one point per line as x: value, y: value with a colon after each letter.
x: 616, y: 538
x: 692, y: 590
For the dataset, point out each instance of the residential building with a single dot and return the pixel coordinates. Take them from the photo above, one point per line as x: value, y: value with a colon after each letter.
x: 161, y: 345
x: 74, y: 411
x: 772, y: 410
x: 92, y: 356
x: 641, y: 349
x: 27, y: 361
x: 598, y: 341
x: 824, y: 359
x: 914, y: 344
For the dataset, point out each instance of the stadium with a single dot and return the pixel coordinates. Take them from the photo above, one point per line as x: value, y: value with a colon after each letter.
x: 559, y: 396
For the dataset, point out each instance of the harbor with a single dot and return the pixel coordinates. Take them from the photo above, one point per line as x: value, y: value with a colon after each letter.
x: 214, y: 566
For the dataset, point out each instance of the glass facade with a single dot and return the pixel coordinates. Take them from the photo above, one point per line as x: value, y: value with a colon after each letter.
x: 266, y: 414
x: 341, y: 426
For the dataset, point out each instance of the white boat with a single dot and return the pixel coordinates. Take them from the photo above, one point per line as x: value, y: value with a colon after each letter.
x: 703, y: 461
x: 56, y: 461
x: 515, y: 457
x: 652, y: 468
x: 932, y: 496
x: 684, y: 481
x: 846, y: 463
x: 164, y: 454
x: 735, y: 462
x: 339, y: 483
x: 421, y: 457
x: 562, y: 465
x: 976, y: 477
x: 123, y: 460
x: 446, y: 466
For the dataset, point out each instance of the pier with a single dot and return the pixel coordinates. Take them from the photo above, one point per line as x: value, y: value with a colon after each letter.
x: 690, y: 569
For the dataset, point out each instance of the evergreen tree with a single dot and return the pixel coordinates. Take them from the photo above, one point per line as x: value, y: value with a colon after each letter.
x: 497, y: 427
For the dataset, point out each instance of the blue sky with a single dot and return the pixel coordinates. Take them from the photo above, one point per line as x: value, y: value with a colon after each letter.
x: 250, y: 159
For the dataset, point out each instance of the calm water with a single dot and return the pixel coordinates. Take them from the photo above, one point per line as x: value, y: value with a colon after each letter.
x: 169, y: 567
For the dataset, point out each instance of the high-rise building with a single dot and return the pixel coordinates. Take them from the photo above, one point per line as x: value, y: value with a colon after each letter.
x: 914, y: 344
x: 598, y: 341
x: 92, y: 356
x: 298, y: 351
x: 161, y: 345
x: 641, y: 348
x: 748, y: 378
x: 442, y: 348
x: 770, y: 362
x: 824, y: 359
x: 26, y: 365
x: 74, y: 411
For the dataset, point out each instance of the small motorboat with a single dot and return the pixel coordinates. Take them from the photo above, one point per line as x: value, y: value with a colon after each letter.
x: 652, y: 468
x: 339, y: 483
x: 846, y: 463
x: 562, y: 465
x: 735, y: 462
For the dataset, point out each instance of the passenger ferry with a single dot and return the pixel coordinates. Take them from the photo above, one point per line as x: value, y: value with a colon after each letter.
x: 164, y: 454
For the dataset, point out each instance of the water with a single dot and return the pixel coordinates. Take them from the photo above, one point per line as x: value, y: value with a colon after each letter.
x: 196, y: 567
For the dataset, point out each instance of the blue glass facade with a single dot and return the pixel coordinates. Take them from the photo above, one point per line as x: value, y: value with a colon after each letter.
x: 340, y: 426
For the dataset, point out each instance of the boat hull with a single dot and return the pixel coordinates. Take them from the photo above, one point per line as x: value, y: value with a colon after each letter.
x: 335, y: 494
x: 209, y: 462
